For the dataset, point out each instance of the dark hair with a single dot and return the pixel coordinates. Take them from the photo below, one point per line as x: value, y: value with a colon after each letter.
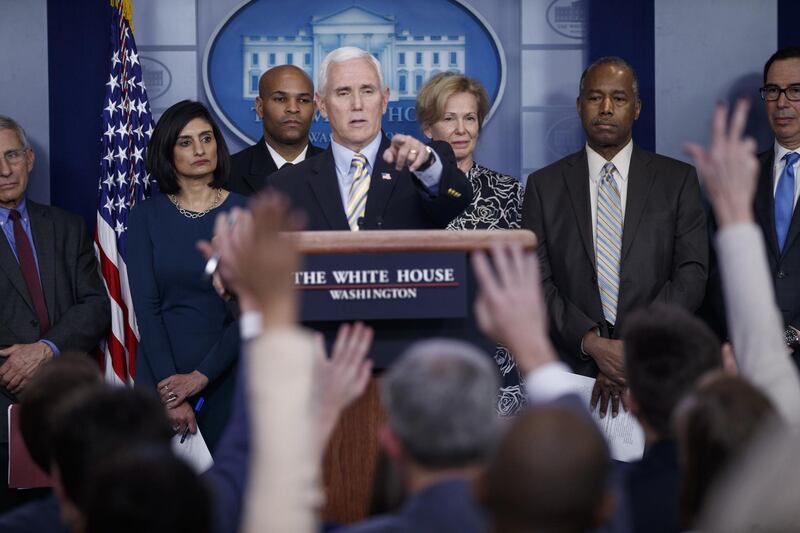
x: 91, y: 423
x: 146, y: 489
x: 549, y: 473
x: 716, y: 423
x: 161, y: 148
x: 611, y: 60
x: 666, y: 351
x: 789, y: 52
x: 67, y: 374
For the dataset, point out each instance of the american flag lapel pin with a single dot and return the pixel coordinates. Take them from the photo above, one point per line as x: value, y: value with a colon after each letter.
x: 386, y: 176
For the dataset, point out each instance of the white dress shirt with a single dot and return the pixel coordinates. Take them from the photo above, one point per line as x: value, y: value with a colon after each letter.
x: 280, y: 161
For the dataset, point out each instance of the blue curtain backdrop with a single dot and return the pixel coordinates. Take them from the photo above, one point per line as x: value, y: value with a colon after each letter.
x: 626, y: 28
x: 788, y: 15
x: 78, y: 37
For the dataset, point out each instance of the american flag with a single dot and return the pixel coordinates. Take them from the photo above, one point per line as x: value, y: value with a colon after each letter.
x: 124, y: 181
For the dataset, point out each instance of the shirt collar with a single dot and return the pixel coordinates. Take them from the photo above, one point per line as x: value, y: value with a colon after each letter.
x: 22, y: 207
x: 622, y: 162
x: 781, y: 151
x: 343, y: 157
x: 280, y: 161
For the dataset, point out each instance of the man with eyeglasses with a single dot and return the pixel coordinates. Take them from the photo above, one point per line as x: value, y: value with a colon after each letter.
x: 51, y: 296
x: 777, y: 193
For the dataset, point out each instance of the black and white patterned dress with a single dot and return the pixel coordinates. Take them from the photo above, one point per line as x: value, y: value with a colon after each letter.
x: 496, y: 201
x: 496, y: 204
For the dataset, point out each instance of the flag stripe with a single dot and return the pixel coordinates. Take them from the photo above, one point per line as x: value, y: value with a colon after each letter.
x: 124, y: 181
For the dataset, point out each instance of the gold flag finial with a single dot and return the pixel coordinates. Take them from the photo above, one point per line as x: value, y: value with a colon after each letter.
x: 127, y: 10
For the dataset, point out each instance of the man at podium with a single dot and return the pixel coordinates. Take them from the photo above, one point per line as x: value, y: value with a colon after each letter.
x: 364, y: 180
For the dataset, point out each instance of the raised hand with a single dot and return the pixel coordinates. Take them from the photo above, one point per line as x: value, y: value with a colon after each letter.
x: 728, y: 168
x: 510, y: 306
x: 343, y: 376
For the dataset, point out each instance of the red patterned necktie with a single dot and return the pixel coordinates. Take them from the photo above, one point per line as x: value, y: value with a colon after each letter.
x: 27, y: 264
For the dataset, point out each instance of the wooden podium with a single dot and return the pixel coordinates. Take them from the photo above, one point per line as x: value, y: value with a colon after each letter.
x: 350, y: 459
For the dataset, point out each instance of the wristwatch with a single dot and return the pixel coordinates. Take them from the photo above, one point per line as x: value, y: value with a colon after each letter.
x: 428, y: 162
x: 791, y: 337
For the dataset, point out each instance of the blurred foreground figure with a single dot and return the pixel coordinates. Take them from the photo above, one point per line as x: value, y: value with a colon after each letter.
x: 550, y: 473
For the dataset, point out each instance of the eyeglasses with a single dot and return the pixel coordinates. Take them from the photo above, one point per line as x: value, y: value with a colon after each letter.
x: 770, y: 93
x: 14, y: 157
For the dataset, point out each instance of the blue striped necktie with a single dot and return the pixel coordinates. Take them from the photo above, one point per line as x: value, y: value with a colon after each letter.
x: 784, y: 199
x: 357, y: 198
x: 608, y: 247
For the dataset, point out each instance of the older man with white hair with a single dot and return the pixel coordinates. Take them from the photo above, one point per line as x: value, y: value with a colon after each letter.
x: 365, y: 180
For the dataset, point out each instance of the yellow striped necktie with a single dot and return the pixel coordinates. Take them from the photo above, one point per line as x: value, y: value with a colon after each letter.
x: 608, y: 246
x: 357, y: 199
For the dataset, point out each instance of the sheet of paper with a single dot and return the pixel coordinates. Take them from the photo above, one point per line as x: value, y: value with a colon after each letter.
x: 623, y: 433
x: 194, y: 451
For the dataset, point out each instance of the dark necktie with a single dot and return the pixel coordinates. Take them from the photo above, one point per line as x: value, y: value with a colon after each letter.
x: 784, y: 199
x: 27, y: 264
x: 287, y: 164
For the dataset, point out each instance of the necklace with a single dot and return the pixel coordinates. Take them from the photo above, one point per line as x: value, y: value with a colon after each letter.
x: 195, y: 214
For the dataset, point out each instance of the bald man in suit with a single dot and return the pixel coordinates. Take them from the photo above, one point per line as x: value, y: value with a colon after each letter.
x: 618, y: 228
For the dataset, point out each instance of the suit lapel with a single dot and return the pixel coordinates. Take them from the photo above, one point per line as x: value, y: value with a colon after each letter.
x: 10, y: 267
x: 261, y: 166
x: 325, y: 187
x: 380, y: 189
x: 576, y: 176
x: 313, y: 150
x: 764, y: 203
x: 43, y: 237
x: 640, y: 180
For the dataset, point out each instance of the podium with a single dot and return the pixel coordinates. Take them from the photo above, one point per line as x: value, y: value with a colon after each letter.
x: 407, y: 285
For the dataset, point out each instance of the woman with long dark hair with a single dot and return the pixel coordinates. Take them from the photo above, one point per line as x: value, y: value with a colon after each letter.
x: 189, y: 343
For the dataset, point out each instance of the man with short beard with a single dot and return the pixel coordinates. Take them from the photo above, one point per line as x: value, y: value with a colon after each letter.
x: 285, y: 104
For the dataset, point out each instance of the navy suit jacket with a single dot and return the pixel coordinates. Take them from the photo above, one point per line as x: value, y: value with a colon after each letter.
x: 39, y: 516
x: 396, y: 199
x: 251, y: 167
x: 228, y: 477
x: 445, y: 506
x: 784, y: 264
x: 652, y: 491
